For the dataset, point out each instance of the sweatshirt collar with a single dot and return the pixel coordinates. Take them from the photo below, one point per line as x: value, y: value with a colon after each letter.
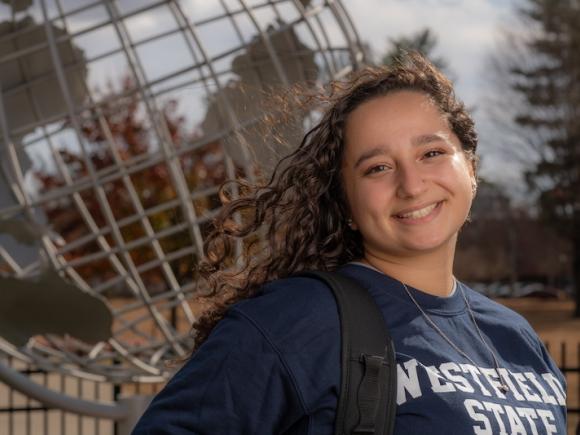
x: 378, y: 282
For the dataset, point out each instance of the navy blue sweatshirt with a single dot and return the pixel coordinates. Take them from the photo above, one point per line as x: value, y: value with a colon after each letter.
x: 272, y: 366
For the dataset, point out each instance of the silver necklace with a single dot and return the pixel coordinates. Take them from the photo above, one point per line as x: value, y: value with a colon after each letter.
x: 503, y: 385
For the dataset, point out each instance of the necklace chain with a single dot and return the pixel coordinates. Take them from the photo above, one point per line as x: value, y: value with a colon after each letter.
x: 503, y: 385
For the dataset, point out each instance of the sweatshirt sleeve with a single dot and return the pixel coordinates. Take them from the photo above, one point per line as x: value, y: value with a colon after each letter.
x: 236, y: 383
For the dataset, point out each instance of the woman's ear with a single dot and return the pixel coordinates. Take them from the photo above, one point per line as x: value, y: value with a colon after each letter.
x: 472, y: 163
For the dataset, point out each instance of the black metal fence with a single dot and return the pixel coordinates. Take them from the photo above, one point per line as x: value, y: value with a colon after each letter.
x: 571, y: 368
x: 567, y: 356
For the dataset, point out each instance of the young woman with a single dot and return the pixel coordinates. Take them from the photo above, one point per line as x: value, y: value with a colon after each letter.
x: 378, y: 191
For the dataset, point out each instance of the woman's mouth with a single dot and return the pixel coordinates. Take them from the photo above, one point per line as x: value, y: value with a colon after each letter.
x: 421, y: 214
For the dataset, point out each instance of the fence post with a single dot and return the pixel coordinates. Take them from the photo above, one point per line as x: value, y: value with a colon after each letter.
x: 135, y: 406
x: 53, y: 399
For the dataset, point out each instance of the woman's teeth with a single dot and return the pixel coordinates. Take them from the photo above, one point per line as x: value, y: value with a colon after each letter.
x: 417, y: 214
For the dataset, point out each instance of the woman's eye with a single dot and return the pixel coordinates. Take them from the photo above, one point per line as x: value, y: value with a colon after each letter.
x: 433, y: 153
x: 377, y: 168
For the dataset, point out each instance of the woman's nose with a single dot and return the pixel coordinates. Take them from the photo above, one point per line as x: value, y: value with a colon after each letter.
x: 410, y: 181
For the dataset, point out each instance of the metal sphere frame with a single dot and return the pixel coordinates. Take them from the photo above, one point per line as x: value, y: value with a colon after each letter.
x: 56, y: 33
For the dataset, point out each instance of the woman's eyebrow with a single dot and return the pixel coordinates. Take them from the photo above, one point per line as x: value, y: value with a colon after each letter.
x: 376, y: 151
x: 423, y: 139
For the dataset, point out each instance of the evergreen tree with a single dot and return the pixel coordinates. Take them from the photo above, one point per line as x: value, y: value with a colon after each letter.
x: 424, y: 41
x: 548, y: 79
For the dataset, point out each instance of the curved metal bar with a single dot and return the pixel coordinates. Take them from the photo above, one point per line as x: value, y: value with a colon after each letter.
x: 352, y: 28
x: 233, y: 120
x: 47, y: 243
x: 134, y: 360
x: 134, y: 196
x: 53, y: 399
x: 306, y: 15
x: 354, y: 55
x: 279, y: 17
x: 62, y: 167
x: 19, y: 190
x: 173, y: 165
x: 7, y: 258
x: 158, y: 123
x: 230, y: 114
x: 133, y: 280
x: 267, y: 43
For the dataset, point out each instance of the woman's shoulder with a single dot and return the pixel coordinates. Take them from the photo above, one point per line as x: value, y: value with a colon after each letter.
x: 297, y: 293
x: 293, y: 308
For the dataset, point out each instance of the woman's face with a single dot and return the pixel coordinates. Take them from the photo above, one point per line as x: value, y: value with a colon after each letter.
x: 408, y: 182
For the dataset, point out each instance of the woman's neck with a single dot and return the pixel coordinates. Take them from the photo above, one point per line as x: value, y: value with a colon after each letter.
x: 428, y: 274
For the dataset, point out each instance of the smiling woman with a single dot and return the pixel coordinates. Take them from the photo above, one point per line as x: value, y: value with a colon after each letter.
x: 410, y: 187
x: 377, y: 191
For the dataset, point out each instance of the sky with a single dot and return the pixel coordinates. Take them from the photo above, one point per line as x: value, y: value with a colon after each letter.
x: 468, y: 32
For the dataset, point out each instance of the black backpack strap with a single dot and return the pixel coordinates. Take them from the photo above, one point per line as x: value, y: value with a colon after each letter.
x: 367, y: 402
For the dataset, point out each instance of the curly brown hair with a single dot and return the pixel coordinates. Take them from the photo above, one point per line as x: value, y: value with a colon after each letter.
x: 298, y: 219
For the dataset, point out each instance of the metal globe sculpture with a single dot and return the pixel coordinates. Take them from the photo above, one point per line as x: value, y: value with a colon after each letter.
x: 118, y: 122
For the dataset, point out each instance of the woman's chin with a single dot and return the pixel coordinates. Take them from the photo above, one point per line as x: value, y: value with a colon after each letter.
x: 426, y: 245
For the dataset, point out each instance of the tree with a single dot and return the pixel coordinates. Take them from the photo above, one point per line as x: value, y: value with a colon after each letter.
x: 424, y: 41
x: 546, y: 75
